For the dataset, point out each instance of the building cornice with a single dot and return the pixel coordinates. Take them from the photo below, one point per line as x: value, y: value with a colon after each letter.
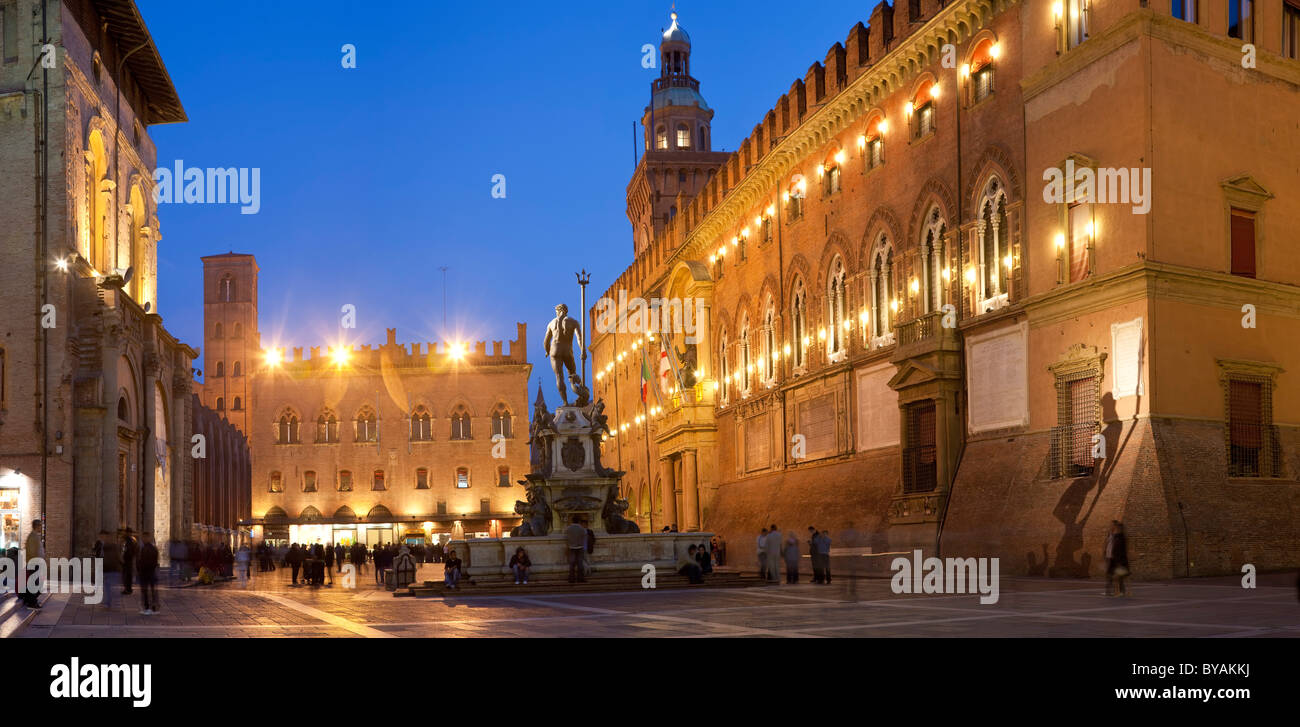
x: 894, y: 71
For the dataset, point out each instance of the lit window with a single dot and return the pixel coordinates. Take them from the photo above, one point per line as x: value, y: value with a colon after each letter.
x: 1077, y: 21
x: 462, y: 478
x: 1079, y: 223
x: 683, y: 136
x: 661, y: 138
x: 836, y: 305
x: 345, y: 480
x: 277, y: 482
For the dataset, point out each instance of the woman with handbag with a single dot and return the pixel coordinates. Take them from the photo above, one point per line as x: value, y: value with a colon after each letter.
x: 1116, y: 559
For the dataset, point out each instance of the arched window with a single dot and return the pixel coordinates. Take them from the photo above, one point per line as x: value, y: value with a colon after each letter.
x: 286, y: 430
x: 829, y: 172
x: 799, y: 323
x: 239, y: 330
x: 421, y: 425
x: 367, y: 426
x: 460, y: 424
x: 345, y: 480
x: 501, y: 421
x: 932, y: 255
x: 994, y: 247
x: 276, y: 484
x: 874, y: 141
x: 327, y: 428
x: 981, y: 69
x: 793, y: 197
x: 217, y: 331
x: 221, y: 369
x: 746, y: 366
x: 124, y: 410
x: 98, y: 202
x: 661, y: 138
x: 221, y: 403
x: 883, y: 304
x: 309, y: 481
x: 683, y: 136
x: 769, y: 354
x: 238, y: 404
x: 237, y: 371
x: 226, y: 290
x: 836, y: 310
x: 462, y: 478
x: 923, y: 109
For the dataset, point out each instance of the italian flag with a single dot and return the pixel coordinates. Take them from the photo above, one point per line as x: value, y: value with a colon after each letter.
x: 645, y: 377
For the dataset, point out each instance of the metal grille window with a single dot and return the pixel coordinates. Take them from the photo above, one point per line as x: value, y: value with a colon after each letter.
x: 277, y: 482
x: 377, y: 483
x: 983, y: 82
x: 1077, y: 417
x: 1254, y: 449
x: 875, y: 152
x: 920, y: 456
x: 925, y: 120
x: 422, y: 479
x: 345, y: 480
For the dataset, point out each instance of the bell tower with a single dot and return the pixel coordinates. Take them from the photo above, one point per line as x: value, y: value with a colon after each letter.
x: 231, y: 342
x: 678, y: 160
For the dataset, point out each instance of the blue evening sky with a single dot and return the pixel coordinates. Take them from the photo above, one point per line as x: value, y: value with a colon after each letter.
x: 372, y: 178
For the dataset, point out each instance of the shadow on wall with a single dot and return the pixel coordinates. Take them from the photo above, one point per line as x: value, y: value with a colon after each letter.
x: 1068, y: 508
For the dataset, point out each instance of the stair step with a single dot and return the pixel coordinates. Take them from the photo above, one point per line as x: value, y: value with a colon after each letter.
x: 593, y: 585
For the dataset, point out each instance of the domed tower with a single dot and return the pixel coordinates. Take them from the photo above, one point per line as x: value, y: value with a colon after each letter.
x: 679, y: 159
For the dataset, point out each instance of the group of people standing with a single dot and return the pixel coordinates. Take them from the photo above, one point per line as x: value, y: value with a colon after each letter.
x: 774, y: 547
x: 127, y: 560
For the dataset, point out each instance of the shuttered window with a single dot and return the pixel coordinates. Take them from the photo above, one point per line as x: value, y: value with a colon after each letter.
x: 1243, y: 243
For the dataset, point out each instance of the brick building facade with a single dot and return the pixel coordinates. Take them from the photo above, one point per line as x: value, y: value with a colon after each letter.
x: 396, y: 442
x: 904, y: 336
x: 89, y: 376
x: 222, y: 479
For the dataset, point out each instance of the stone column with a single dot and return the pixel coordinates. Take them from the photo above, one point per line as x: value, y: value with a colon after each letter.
x: 690, y: 491
x: 150, y: 426
x: 669, y: 492
x: 108, y: 483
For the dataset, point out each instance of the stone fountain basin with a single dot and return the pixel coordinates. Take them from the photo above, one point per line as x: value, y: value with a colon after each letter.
x: 614, y: 554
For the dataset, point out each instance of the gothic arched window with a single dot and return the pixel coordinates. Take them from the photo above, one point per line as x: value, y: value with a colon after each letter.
x: 799, y: 323
x: 460, y: 424
x: 836, y: 309
x: 501, y: 421
x: 367, y: 426
x: 421, y: 425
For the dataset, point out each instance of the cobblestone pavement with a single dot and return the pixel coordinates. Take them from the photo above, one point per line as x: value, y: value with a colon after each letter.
x: 270, y: 607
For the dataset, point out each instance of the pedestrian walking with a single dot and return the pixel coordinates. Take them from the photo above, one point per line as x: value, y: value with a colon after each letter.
x: 575, y: 538
x: 1116, y: 560
x: 790, y: 551
x: 35, y: 549
x: 147, y: 568
x: 130, y: 549
x: 107, y: 549
x: 243, y: 562
x: 822, y: 545
x: 773, y: 545
x: 294, y: 560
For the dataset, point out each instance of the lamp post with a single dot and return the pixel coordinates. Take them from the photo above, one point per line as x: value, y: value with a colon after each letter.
x: 584, y: 278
